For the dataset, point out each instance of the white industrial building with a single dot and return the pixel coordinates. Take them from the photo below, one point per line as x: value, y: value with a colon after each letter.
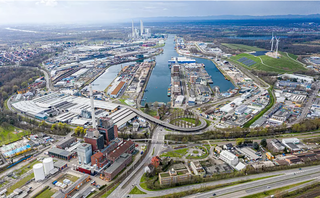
x: 299, y: 77
x: 241, y: 109
x: 38, y: 172
x: 229, y: 158
x: 48, y: 165
x: 292, y: 144
x: 84, y: 152
x: 122, y: 116
x: 179, y: 100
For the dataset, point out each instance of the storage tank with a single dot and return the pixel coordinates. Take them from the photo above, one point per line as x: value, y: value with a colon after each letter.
x: 38, y: 172
x: 48, y: 165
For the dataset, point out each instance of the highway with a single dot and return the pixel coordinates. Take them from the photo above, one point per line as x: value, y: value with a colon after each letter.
x: 203, y: 123
x: 287, y: 177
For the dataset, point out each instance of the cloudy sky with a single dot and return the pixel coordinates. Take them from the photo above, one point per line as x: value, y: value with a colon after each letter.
x: 56, y: 11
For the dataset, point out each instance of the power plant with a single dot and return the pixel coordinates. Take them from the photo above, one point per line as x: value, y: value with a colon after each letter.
x: 139, y: 34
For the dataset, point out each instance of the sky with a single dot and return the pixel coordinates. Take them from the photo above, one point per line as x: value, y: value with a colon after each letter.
x: 71, y: 11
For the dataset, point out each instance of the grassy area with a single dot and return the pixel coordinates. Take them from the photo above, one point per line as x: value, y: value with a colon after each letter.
x: 11, y: 134
x: 26, y: 168
x: 123, y: 101
x: 274, y: 191
x: 248, y: 124
x: 68, y: 176
x: 207, y: 146
x: 109, y: 191
x: 284, y: 64
x: 190, y: 120
x: 153, y: 151
x: 150, y: 112
x: 175, y: 153
x: 19, y: 183
x: 242, y: 47
x: 156, y: 46
x: 293, y: 56
x: 47, y: 193
x: 195, y: 152
x: 136, y: 190
x: 203, y: 155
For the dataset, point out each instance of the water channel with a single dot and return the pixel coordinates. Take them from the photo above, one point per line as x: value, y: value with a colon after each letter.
x: 160, y: 78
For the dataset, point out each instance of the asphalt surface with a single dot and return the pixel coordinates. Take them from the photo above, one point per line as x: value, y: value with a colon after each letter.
x: 166, y: 124
x: 135, y: 176
x: 293, y: 175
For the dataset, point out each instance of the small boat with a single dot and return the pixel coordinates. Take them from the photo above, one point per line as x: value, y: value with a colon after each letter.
x: 169, y: 94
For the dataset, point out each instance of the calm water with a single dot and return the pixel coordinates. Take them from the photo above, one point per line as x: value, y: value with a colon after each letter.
x: 160, y: 79
x: 108, y: 76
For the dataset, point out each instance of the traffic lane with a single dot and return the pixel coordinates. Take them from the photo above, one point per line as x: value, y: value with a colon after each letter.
x: 286, y: 174
x: 279, y: 183
x: 263, y: 185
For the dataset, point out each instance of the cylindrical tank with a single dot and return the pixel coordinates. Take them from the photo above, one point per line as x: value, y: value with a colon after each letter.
x: 38, y: 172
x: 48, y: 165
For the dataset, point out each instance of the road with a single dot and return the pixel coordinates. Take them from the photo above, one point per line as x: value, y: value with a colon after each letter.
x: 202, y: 125
x: 287, y: 177
x: 134, y: 178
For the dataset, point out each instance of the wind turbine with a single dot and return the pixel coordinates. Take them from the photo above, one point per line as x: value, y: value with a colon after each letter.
x: 272, y: 39
x: 277, y: 46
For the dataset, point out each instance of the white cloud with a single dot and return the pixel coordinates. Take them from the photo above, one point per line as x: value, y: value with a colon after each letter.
x: 51, y: 3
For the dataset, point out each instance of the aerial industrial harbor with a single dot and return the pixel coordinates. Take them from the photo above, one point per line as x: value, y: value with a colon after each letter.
x: 161, y: 107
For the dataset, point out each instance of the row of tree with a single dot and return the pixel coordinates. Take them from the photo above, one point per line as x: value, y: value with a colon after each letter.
x: 238, y: 132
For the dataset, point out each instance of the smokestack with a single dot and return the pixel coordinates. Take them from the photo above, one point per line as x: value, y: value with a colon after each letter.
x: 92, y: 107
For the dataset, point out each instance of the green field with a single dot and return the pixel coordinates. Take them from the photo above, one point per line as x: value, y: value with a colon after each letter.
x: 242, y: 47
x: 284, y: 64
x: 45, y: 194
x: 175, y: 153
x: 8, y: 134
x: 26, y: 168
x: 20, y: 183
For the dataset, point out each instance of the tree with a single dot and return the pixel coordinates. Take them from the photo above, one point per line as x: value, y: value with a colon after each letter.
x: 53, y: 127
x: 156, y: 104
x: 239, y: 141
x: 4, y: 95
x: 264, y: 143
x: 255, y: 145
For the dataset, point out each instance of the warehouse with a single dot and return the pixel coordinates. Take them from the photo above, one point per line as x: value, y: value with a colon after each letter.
x: 60, y: 153
x: 115, y: 93
x: 121, y: 117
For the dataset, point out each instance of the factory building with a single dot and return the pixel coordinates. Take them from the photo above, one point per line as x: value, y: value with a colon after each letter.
x: 107, y: 128
x: 84, y: 152
x: 60, y: 153
x: 94, y: 138
x: 66, y: 143
x: 116, y: 92
x: 73, y: 187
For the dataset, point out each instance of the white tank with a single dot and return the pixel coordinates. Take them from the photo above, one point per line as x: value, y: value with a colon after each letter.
x: 38, y: 172
x: 48, y: 165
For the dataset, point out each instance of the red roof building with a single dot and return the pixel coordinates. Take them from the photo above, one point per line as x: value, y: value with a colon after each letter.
x: 125, y: 147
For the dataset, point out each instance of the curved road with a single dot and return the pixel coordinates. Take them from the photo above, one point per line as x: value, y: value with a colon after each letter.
x: 202, y: 125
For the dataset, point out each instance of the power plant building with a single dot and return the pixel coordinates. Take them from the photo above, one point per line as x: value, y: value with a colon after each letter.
x: 84, y: 152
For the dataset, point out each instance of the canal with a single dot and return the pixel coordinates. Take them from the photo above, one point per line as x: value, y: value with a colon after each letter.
x: 160, y: 79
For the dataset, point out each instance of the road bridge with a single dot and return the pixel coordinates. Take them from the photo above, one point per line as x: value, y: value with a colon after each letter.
x: 203, y: 123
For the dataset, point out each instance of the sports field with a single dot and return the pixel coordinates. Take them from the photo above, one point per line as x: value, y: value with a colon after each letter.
x: 284, y: 64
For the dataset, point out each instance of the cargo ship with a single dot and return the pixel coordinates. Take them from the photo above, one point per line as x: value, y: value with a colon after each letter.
x: 182, y: 59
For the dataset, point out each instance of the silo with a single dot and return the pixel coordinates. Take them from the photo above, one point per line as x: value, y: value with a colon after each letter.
x: 48, y: 165
x: 38, y: 172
